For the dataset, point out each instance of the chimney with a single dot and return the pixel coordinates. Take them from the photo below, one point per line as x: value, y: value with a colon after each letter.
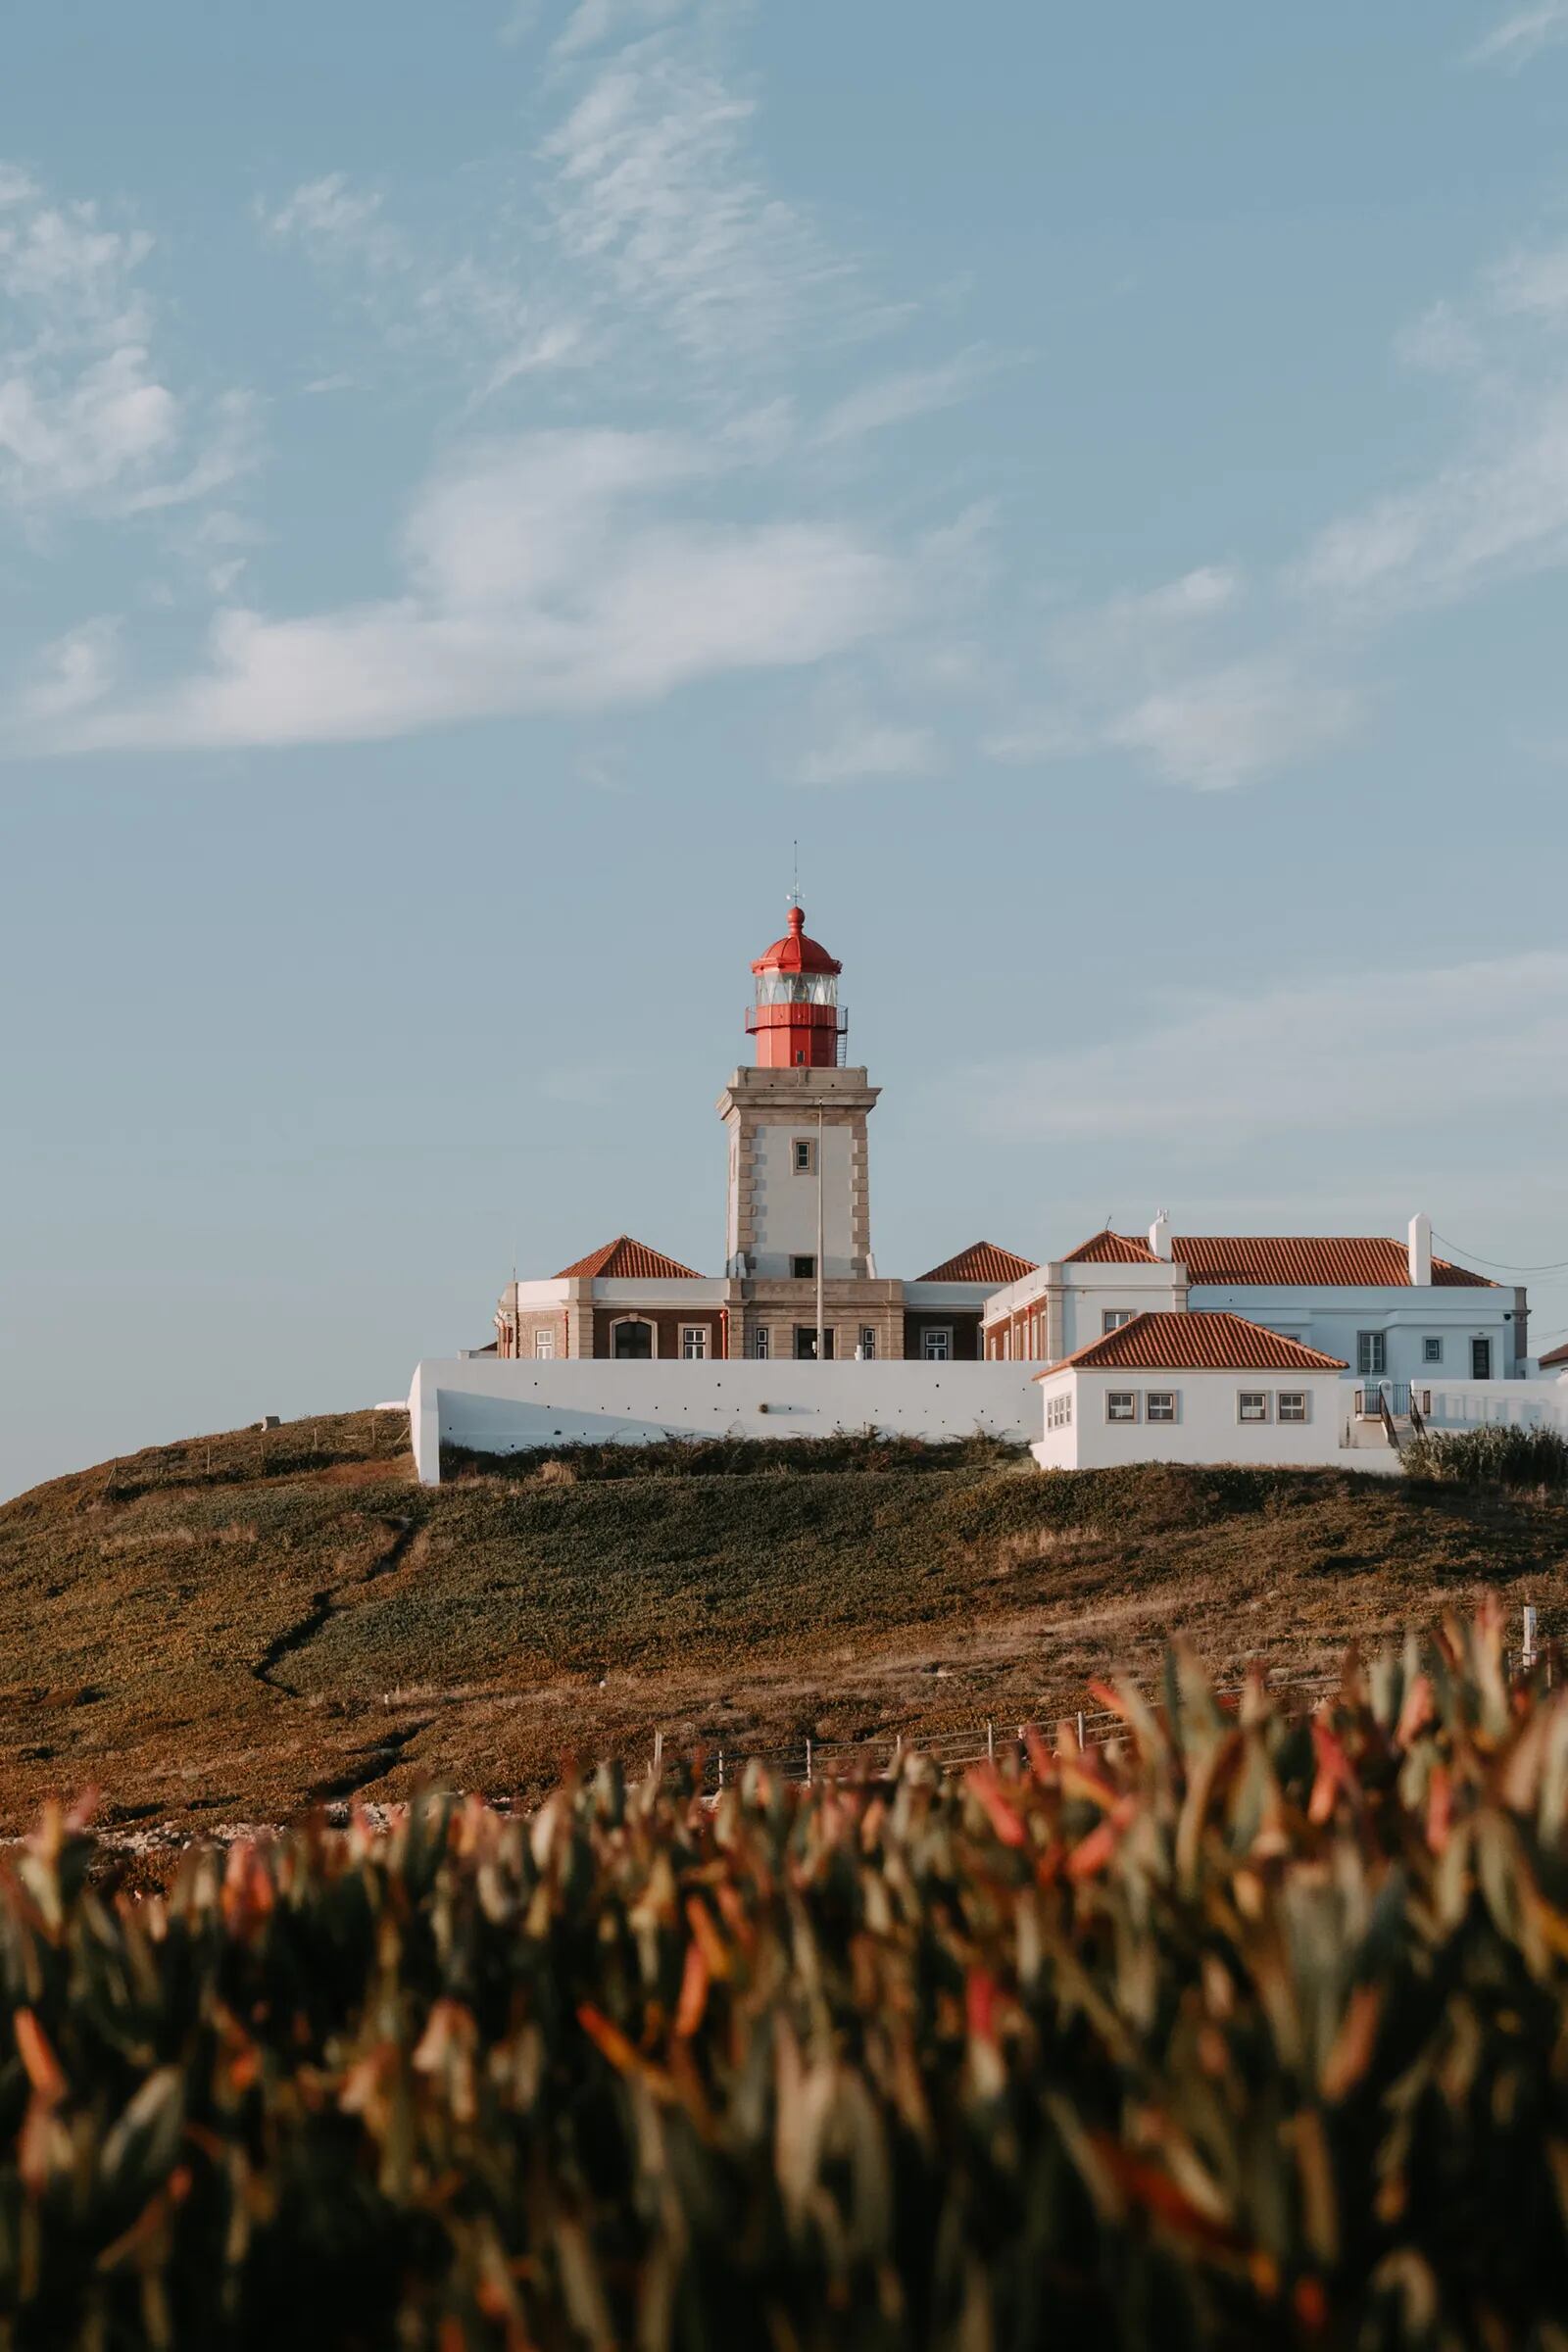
x: 1160, y: 1236
x: 1421, y: 1251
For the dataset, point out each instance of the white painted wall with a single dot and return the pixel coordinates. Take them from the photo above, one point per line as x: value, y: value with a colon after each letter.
x: 1330, y: 1319
x: 785, y: 1201
x: 1208, y: 1429
x: 501, y: 1406
x: 1090, y: 1293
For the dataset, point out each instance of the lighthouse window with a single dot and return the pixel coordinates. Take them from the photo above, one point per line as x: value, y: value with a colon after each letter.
x: 802, y: 1269
x: 805, y: 1150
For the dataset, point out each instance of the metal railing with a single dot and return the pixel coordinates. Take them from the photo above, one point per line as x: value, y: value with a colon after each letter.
x: 1375, y: 1398
x: 797, y: 1016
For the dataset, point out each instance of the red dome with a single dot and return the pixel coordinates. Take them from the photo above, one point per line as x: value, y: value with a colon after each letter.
x: 795, y: 953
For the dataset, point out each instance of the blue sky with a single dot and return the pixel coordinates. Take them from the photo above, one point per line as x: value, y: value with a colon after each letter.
x: 476, y: 484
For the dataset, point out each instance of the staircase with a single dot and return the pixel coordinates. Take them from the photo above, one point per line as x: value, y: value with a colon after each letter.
x: 1386, y: 1413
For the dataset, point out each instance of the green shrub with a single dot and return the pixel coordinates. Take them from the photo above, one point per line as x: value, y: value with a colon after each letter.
x: 1502, y: 1455
x: 1250, y: 2029
x: 867, y: 1449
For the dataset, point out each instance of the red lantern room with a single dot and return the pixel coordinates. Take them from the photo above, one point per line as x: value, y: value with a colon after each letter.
x: 797, y: 1020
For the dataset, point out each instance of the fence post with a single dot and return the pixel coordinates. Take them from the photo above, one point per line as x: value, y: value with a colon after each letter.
x: 807, y: 1763
x: 659, y: 1754
x: 1080, y: 1731
x: 897, y: 1754
x: 991, y: 1742
x: 721, y: 1768
x: 1528, y: 1657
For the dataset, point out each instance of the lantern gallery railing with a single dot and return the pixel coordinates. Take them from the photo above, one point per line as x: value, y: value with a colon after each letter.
x: 798, y: 1016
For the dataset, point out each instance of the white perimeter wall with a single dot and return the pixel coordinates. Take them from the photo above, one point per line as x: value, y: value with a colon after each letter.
x: 1208, y: 1430
x: 501, y: 1406
x: 1471, y: 1405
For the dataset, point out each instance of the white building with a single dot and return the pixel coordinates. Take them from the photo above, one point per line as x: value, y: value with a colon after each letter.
x: 1394, y: 1314
x: 1196, y: 1388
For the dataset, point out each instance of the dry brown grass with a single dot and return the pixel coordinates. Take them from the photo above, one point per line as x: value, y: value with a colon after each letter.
x: 231, y: 1627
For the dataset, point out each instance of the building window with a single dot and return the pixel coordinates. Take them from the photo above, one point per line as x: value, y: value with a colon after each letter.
x: 867, y: 1343
x: 1034, y: 1336
x: 1251, y: 1404
x: 760, y: 1344
x: 1160, y: 1404
x: 1480, y: 1359
x: 1291, y: 1404
x: 693, y: 1342
x: 1371, y: 1353
x: 1058, y: 1410
x: 1432, y: 1350
x: 1121, y: 1404
x: 802, y: 1155
x: 1113, y: 1317
x: 1007, y: 1344
x: 544, y: 1346
x: 936, y: 1343
x: 632, y: 1341
x: 802, y: 1269
x: 806, y: 1344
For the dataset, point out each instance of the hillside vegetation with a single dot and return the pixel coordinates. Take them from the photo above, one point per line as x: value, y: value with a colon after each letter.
x: 230, y: 1629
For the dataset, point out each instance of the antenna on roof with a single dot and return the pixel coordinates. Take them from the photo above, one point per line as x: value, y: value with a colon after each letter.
x: 794, y: 898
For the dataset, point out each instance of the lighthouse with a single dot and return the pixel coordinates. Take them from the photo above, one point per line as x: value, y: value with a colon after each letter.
x: 799, y: 1226
x: 797, y: 1018
x: 799, y: 1281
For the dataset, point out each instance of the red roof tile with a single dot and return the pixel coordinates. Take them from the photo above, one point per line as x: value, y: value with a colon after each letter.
x: 1195, y: 1343
x: 1110, y: 1249
x: 1332, y: 1260
x: 1559, y: 1356
x: 626, y: 1261
x: 982, y: 1261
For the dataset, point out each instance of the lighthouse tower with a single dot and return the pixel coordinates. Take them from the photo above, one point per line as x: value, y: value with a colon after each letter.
x: 798, y: 1227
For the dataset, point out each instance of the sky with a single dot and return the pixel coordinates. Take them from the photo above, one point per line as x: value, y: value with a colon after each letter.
x: 479, y: 485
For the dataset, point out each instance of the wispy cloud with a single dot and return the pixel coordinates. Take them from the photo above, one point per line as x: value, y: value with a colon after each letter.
x: 476, y: 313
x: 1145, y: 672
x: 895, y: 399
x: 593, y: 23
x: 1232, y: 725
x: 1448, y: 1041
x: 87, y: 420
x: 1523, y: 34
x: 655, y: 196
x: 553, y: 571
x: 871, y: 749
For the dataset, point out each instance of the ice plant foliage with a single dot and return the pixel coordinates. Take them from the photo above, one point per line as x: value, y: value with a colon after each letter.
x: 1249, y: 2027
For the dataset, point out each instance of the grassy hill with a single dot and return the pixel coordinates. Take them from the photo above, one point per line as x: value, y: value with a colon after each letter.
x: 232, y: 1627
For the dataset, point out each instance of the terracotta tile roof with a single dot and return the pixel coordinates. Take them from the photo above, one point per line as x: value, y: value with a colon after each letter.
x: 1110, y: 1249
x: 1334, y: 1260
x: 1195, y: 1343
x: 982, y: 1261
x: 626, y: 1261
x: 1559, y: 1356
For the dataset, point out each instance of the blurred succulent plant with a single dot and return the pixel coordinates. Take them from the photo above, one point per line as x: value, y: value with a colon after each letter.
x: 1247, y: 2029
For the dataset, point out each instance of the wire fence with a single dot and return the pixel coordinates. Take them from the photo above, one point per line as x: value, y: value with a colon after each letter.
x: 992, y: 1741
